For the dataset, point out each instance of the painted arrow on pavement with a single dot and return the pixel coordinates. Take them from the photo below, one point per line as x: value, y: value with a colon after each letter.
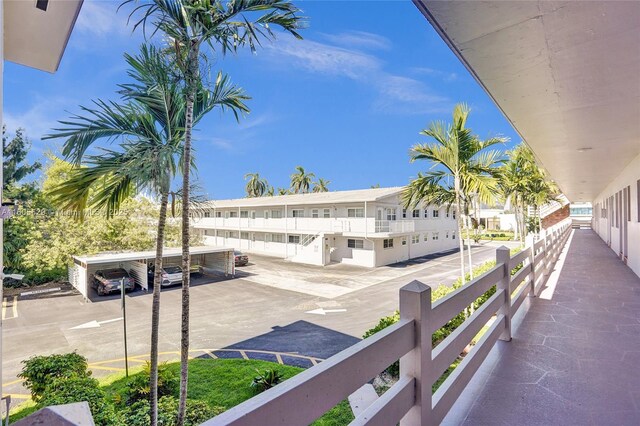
x: 94, y: 324
x: 322, y: 311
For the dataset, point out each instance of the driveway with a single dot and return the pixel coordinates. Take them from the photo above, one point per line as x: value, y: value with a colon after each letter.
x: 225, y: 313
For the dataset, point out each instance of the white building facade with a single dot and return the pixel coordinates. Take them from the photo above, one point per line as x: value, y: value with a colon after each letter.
x: 361, y: 227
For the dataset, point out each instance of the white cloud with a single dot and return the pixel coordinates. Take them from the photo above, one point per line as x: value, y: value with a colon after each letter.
x: 405, y: 95
x: 396, y: 93
x: 323, y: 58
x: 359, y: 39
x: 100, y: 18
x: 40, y: 118
x: 443, y: 75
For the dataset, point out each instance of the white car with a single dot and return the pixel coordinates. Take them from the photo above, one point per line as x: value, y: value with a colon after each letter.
x: 171, y: 275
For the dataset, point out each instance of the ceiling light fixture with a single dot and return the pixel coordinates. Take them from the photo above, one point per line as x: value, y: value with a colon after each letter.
x: 585, y: 149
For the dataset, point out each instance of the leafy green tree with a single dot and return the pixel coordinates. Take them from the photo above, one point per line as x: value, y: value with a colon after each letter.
x: 283, y: 191
x: 256, y: 186
x: 523, y: 183
x: 301, y: 181
x: 461, y: 165
x: 322, y: 185
x: 151, y: 124
x: 197, y: 29
x: 14, y: 167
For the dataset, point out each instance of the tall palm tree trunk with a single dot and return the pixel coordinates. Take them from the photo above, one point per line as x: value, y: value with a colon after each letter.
x: 155, y: 309
x: 460, y: 226
x: 186, y: 259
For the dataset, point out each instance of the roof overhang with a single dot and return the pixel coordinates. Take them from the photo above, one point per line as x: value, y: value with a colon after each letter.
x: 565, y: 74
x: 145, y: 255
x: 37, y: 38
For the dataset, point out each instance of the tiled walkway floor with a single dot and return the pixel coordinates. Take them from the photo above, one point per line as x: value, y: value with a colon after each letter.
x: 575, y: 358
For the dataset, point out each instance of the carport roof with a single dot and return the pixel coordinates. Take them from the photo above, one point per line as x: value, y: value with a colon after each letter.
x: 352, y: 196
x: 151, y: 254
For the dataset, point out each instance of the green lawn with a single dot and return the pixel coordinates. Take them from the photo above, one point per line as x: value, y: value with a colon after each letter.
x: 218, y: 382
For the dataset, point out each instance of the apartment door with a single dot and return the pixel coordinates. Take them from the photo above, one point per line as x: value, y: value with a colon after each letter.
x: 626, y: 212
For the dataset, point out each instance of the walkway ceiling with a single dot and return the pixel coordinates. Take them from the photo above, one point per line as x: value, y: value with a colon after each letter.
x: 566, y: 74
x: 36, y: 32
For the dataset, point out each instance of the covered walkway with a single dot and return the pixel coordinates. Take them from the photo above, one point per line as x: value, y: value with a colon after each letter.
x: 574, y: 357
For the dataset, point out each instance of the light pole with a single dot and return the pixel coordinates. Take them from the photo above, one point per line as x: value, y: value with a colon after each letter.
x: 124, y: 323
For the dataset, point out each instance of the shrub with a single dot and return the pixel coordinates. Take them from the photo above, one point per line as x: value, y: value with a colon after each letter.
x: 67, y: 390
x: 138, y: 385
x: 196, y: 413
x: 438, y: 293
x: 39, y: 372
x: 266, y: 379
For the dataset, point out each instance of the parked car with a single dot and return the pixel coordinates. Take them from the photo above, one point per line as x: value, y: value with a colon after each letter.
x: 241, y: 258
x: 171, y: 275
x: 106, y: 281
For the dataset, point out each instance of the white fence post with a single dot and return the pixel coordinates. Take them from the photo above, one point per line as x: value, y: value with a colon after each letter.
x: 532, y: 262
x: 503, y: 255
x: 415, y: 304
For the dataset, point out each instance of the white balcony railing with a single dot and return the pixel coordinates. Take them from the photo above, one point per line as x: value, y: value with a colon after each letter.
x: 307, y: 224
x: 394, y: 226
x: 305, y: 397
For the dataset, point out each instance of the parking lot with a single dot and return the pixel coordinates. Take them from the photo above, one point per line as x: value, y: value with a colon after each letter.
x: 267, y: 295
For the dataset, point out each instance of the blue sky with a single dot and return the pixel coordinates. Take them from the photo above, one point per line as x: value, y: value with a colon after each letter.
x: 346, y: 103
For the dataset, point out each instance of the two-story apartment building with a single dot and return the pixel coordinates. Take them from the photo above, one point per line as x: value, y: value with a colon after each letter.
x: 367, y: 227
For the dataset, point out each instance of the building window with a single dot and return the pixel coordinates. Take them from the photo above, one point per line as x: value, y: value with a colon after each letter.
x: 233, y: 234
x: 244, y: 214
x: 294, y: 239
x: 356, y: 244
x: 454, y: 214
x: 226, y: 215
x: 355, y: 212
x: 391, y: 214
x: 435, y: 235
x: 267, y: 238
x: 415, y: 213
x: 253, y: 214
x: 218, y: 214
x: 207, y: 213
x: 244, y: 235
x: 415, y: 239
x: 404, y: 241
x: 436, y: 213
x: 404, y: 213
x: 453, y: 236
x: 233, y: 214
x: 276, y: 214
x: 297, y: 213
x: 387, y: 243
x: 425, y: 237
x: 314, y: 213
x: 446, y: 235
x: 426, y: 213
x: 210, y: 232
x: 447, y: 212
x: 277, y: 238
x: 326, y: 213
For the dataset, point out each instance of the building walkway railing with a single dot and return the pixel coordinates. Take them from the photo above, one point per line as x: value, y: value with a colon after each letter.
x: 305, y: 397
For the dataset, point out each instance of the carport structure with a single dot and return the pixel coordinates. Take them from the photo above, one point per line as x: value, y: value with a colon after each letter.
x: 207, y: 259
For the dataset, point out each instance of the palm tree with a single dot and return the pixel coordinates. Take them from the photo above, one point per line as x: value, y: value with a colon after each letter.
x: 516, y: 178
x: 256, y: 187
x: 283, y: 191
x: 322, y: 185
x: 196, y: 29
x: 458, y: 157
x: 301, y: 181
x: 151, y: 123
